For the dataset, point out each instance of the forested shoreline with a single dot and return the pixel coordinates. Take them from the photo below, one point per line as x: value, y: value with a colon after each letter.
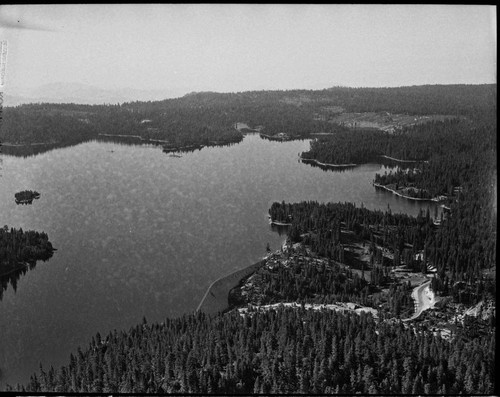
x: 282, y: 351
x: 18, y: 246
x: 336, y: 252
x: 208, y: 118
x: 19, y: 251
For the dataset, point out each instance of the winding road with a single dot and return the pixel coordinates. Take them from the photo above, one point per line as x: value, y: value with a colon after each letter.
x: 424, y: 299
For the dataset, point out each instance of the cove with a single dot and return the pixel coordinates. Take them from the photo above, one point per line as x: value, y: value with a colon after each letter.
x: 140, y: 233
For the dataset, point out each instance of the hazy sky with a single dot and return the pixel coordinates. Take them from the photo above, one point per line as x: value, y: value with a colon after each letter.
x: 227, y: 48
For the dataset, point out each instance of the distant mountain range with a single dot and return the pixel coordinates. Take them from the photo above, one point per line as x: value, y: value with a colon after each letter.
x: 83, y: 94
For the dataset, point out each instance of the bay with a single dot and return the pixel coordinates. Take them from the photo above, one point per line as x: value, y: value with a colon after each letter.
x: 140, y: 233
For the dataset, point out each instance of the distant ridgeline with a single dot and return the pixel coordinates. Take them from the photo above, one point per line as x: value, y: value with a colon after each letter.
x: 208, y: 118
x: 20, y: 250
x: 26, y: 196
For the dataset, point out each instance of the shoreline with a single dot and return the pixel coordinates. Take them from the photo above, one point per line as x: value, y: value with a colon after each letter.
x: 182, y: 148
x: 403, y: 161
x: 271, y: 222
x: 135, y: 137
x: 216, y: 298
x: 28, y: 144
x: 122, y: 136
x: 274, y: 138
x: 326, y: 164
x: 402, y: 195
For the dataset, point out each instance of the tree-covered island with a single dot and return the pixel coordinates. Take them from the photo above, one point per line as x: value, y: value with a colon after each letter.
x: 26, y: 196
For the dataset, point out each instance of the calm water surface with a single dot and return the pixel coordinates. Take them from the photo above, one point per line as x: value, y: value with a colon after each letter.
x: 140, y: 233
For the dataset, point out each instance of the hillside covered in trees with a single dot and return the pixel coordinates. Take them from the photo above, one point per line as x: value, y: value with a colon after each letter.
x: 282, y: 351
x: 208, y: 118
x: 337, y: 252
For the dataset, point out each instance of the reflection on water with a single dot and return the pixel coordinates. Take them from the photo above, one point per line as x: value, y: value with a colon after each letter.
x: 388, y: 164
x: 26, y: 201
x: 18, y: 255
x: 138, y: 141
x: 282, y: 230
x: 33, y: 150
x: 11, y: 278
x: 140, y: 233
x: 328, y: 167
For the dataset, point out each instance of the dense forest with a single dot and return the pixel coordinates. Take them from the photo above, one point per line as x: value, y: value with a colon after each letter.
x: 304, y: 278
x: 460, y: 165
x: 304, y: 281
x: 208, y: 118
x: 323, y: 222
x: 282, y: 351
x: 20, y: 250
x: 20, y: 247
x: 287, y: 350
x: 459, y: 249
x: 455, y: 152
x: 413, y: 242
x: 47, y: 124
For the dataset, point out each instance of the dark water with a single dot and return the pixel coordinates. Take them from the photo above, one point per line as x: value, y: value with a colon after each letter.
x: 140, y: 233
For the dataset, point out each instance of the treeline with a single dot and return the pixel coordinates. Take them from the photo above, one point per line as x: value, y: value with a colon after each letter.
x: 325, y: 352
x: 35, y: 124
x: 476, y: 101
x: 461, y: 159
x: 328, y: 230
x: 448, y: 155
x: 180, y: 126
x: 465, y: 246
x: 304, y: 281
x: 275, y: 351
x: 347, y: 147
x: 461, y: 165
x: 461, y: 249
x: 423, y: 142
x: 208, y: 118
x: 319, y: 225
x: 64, y: 124
x: 456, y: 100
x: 19, y: 252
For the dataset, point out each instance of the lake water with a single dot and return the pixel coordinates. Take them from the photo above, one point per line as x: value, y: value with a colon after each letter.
x: 141, y: 233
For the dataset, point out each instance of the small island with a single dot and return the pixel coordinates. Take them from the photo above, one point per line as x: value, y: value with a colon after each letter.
x: 26, y: 196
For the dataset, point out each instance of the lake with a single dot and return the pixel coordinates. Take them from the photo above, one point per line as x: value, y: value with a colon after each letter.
x: 140, y: 233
